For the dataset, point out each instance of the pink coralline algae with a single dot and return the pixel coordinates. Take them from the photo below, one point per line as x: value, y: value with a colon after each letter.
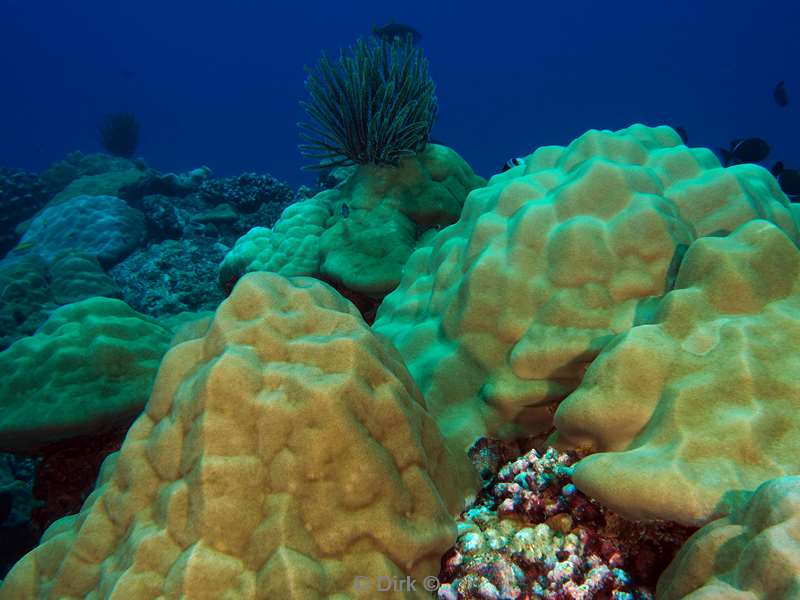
x: 530, y: 534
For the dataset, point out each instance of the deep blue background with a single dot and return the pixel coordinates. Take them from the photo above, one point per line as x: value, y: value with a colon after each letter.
x: 218, y: 83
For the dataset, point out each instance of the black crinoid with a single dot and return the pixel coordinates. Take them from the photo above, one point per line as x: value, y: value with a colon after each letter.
x: 119, y: 133
x: 375, y: 105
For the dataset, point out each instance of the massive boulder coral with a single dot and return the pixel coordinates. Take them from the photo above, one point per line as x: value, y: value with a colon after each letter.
x: 359, y: 235
x: 25, y: 297
x: 691, y: 411
x: 76, y: 276
x: 89, y: 367
x: 752, y: 554
x: 281, y: 454
x: 499, y: 315
x: 31, y: 289
x: 103, y: 226
x: 77, y: 164
x: 110, y: 183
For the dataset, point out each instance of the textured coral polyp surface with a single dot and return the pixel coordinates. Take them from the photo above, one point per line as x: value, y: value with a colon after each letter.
x: 689, y: 412
x: 753, y: 554
x: 281, y: 454
x: 89, y: 367
x: 500, y: 314
x: 359, y: 235
x: 103, y: 226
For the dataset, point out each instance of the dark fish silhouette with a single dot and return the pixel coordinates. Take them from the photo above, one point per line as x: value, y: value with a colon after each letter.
x: 511, y: 163
x: 780, y: 94
x: 681, y: 131
x: 392, y: 32
x: 345, y: 210
x: 675, y: 265
x: 788, y: 179
x: 751, y: 150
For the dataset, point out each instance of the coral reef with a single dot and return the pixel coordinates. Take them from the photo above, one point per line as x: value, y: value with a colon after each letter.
x: 704, y: 370
x: 76, y: 276
x: 499, y: 315
x: 25, y: 297
x: 331, y: 178
x: 21, y: 195
x: 615, y: 321
x: 77, y: 164
x: 752, y: 554
x: 31, y: 289
x: 246, y: 192
x: 532, y: 534
x: 187, y: 235
x: 164, y: 184
x: 282, y: 454
x: 164, y: 218
x: 359, y: 235
x: 89, y: 367
x: 170, y: 277
x: 103, y: 226
x: 109, y: 183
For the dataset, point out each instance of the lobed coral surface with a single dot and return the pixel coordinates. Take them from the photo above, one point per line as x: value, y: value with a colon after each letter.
x: 625, y: 295
x: 499, y: 315
x: 282, y: 453
x: 359, y: 235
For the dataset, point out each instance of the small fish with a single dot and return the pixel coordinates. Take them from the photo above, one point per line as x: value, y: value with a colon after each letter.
x: 788, y: 179
x: 345, y: 210
x: 681, y: 131
x: 511, y: 163
x: 751, y: 150
x: 780, y: 94
x: 22, y: 247
x: 675, y: 265
x: 396, y: 32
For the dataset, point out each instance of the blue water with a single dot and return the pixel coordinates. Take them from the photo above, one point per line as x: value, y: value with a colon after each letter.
x: 219, y: 83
